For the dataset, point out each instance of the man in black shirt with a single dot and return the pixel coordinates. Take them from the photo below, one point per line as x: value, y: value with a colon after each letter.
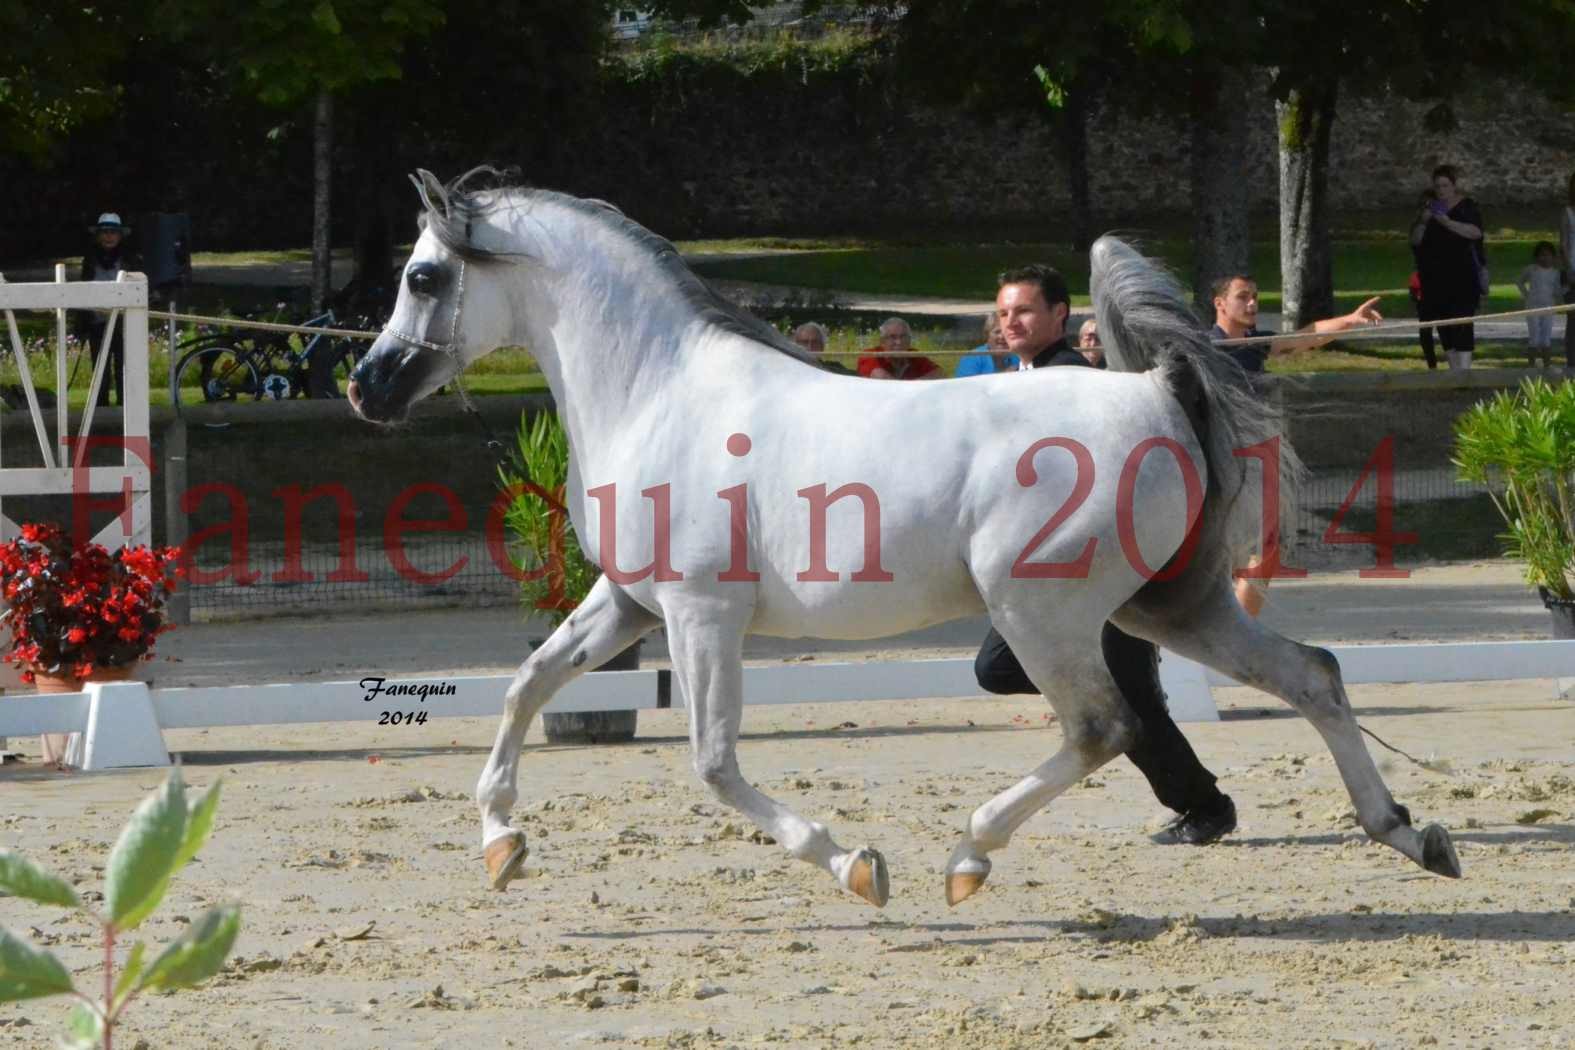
x: 1032, y: 305
x: 1236, y: 317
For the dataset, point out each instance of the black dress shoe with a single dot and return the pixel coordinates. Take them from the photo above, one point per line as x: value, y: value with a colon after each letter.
x: 1200, y: 826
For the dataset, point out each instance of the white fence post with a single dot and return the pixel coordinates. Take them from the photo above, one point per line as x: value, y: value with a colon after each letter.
x: 64, y: 473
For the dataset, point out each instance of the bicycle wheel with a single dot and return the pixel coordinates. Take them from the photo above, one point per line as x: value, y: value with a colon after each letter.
x: 215, y: 373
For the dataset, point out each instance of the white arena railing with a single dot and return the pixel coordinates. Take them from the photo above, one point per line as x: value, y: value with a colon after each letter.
x: 121, y: 723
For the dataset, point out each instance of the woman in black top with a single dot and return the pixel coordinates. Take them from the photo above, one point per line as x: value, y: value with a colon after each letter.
x: 1447, y: 237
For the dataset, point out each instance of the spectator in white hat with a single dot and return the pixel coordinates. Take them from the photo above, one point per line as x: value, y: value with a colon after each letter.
x: 104, y: 262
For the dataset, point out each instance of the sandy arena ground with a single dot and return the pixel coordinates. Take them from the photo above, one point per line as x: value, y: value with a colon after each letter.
x: 651, y: 918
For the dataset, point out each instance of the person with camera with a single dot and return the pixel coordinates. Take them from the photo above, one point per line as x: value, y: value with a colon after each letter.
x: 1451, y: 264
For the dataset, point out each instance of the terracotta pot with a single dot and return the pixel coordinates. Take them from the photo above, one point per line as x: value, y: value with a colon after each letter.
x: 57, y: 745
x: 44, y: 682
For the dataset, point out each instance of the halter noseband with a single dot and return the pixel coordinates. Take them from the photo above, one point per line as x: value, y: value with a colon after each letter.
x: 453, y: 331
x: 494, y: 446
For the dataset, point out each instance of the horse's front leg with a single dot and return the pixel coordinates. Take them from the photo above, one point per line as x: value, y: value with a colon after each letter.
x: 705, y: 636
x: 604, y: 625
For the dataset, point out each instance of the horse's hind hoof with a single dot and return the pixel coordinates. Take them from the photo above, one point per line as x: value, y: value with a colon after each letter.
x: 1438, y: 853
x: 504, y: 855
x: 867, y: 876
x: 960, y: 885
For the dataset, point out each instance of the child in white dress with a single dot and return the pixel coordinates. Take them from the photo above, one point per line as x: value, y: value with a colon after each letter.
x: 1541, y: 284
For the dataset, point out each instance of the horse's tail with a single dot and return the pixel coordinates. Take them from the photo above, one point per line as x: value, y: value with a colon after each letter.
x: 1145, y: 325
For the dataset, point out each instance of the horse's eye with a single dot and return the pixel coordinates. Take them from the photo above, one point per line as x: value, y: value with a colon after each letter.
x: 426, y: 278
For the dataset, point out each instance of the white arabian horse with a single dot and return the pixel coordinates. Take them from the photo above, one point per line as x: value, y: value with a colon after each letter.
x: 727, y: 486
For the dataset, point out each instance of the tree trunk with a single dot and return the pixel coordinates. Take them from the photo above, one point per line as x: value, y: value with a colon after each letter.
x: 1306, y: 260
x: 1072, y: 129
x: 376, y: 173
x: 1220, y: 244
x: 322, y: 183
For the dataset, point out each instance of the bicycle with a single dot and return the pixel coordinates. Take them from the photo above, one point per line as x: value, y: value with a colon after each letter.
x: 274, y: 365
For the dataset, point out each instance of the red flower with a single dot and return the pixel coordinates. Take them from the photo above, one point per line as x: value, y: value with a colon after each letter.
x: 59, y: 596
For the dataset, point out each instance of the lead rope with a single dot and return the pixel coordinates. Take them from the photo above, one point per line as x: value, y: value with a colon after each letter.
x: 1431, y: 765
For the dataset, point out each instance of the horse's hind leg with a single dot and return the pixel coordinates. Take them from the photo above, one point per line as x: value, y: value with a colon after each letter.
x: 705, y: 638
x: 1097, y: 725
x: 1216, y: 632
x: 605, y: 624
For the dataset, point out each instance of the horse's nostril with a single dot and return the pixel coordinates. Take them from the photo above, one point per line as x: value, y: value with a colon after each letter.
x: 353, y: 392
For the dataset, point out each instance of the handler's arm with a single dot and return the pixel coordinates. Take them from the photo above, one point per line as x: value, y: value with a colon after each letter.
x: 1320, y: 332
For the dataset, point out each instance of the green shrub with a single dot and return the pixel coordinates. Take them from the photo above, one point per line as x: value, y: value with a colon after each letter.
x: 558, y: 576
x: 1522, y: 446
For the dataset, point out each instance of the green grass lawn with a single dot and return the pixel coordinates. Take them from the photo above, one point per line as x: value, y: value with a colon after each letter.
x: 1372, y: 257
x: 1362, y: 268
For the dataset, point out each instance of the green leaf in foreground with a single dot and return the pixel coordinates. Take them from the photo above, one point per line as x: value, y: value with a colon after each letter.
x: 130, y: 973
x: 199, y: 823
x: 28, y: 973
x: 140, y: 865
x: 198, y: 954
x: 86, y: 1029
x: 20, y: 877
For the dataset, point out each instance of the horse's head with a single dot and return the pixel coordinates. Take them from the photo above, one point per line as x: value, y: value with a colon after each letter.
x: 452, y: 308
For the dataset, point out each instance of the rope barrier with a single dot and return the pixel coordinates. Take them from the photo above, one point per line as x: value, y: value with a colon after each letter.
x: 1383, y: 331
x: 264, y: 326
x: 1386, y: 330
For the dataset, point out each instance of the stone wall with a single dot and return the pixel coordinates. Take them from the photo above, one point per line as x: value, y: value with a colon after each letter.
x: 844, y: 152
x: 862, y: 159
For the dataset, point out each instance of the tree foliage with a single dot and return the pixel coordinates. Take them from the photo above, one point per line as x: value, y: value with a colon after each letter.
x: 286, y: 51
x: 57, y: 69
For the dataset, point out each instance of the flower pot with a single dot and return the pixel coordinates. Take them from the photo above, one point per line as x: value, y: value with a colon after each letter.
x: 1563, y: 612
x: 59, y: 747
x: 596, y: 727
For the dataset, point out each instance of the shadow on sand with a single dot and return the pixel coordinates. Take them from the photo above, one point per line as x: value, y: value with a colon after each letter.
x: 1509, y: 926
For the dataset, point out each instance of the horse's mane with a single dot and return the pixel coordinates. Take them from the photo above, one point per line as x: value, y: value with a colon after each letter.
x: 451, y: 209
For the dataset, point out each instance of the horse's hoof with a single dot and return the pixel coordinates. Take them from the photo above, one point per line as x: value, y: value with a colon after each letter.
x: 1438, y: 853
x: 504, y: 856
x: 960, y: 885
x: 867, y: 876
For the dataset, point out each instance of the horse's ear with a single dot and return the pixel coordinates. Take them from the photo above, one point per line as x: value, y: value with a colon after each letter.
x: 433, y: 195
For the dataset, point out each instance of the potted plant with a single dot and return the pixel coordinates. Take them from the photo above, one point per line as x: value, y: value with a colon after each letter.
x: 78, y: 612
x: 558, y: 576
x: 1521, y: 445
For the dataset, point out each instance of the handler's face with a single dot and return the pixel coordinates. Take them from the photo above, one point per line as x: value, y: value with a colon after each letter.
x: 1028, y: 322
x: 1238, y: 306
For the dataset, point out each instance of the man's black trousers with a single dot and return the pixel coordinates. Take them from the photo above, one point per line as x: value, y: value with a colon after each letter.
x: 1160, y: 752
